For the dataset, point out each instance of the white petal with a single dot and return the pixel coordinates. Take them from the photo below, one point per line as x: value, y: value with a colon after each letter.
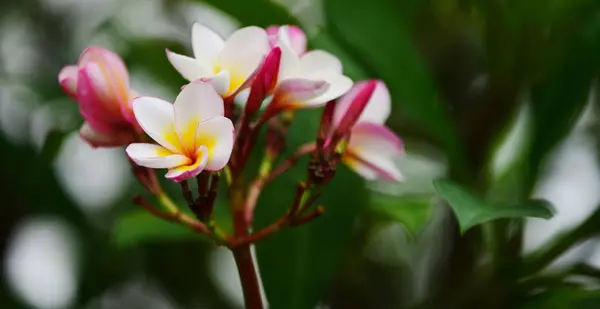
x: 220, y: 82
x: 183, y: 172
x: 154, y: 156
x: 338, y: 85
x: 316, y: 61
x: 383, y: 168
x: 217, y: 135
x: 198, y: 101
x: 298, y: 92
x: 157, y: 119
x: 289, y: 65
x: 206, y: 43
x: 190, y: 68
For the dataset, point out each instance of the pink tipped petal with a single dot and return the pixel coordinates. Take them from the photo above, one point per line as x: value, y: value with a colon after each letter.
x: 373, y: 147
x: 338, y: 85
x: 100, y: 114
x: 297, y: 92
x: 183, y: 172
x: 67, y: 78
x: 206, y: 43
x: 318, y: 61
x: 97, y: 139
x: 298, y: 39
x: 154, y: 156
x: 157, y: 119
x: 220, y: 82
x: 217, y: 135
x: 383, y: 168
x: 190, y: 68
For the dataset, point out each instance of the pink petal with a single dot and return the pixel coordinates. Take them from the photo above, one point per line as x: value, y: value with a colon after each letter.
x: 97, y: 139
x: 67, y: 78
x: 183, y: 172
x: 297, y: 38
x: 378, y: 108
x: 295, y: 93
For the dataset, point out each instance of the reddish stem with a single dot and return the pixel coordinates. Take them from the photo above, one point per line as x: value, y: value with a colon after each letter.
x: 248, y: 277
x: 173, y: 217
x: 291, y: 160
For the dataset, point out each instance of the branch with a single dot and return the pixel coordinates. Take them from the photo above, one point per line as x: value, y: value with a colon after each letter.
x: 176, y: 216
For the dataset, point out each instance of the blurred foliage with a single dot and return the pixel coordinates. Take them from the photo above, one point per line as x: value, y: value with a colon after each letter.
x: 459, y: 72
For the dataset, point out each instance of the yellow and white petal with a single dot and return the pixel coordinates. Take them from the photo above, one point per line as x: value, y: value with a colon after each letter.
x: 298, y: 92
x: 318, y: 61
x: 157, y: 118
x: 217, y: 134
x: 206, y: 43
x: 195, y: 103
x: 338, y: 85
x: 190, y: 68
x: 154, y: 156
x: 191, y: 170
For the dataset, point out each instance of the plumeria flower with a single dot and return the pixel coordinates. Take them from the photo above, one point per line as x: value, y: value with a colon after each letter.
x: 100, y: 85
x: 227, y: 65
x: 306, y: 81
x: 192, y: 134
x: 297, y: 38
x: 372, y: 147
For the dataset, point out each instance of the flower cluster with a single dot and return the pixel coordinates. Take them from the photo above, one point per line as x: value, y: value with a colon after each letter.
x: 204, y: 133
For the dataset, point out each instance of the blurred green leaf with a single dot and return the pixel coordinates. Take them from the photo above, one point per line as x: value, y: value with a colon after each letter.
x: 412, y: 212
x: 373, y: 33
x: 140, y: 226
x: 560, y: 98
x: 297, y: 264
x: 260, y: 13
x: 471, y: 210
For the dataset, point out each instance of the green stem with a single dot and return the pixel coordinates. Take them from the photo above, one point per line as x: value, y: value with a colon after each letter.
x: 543, y: 257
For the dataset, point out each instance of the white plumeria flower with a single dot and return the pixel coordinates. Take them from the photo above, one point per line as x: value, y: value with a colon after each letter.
x: 308, y: 80
x: 192, y: 133
x: 372, y: 147
x: 227, y: 65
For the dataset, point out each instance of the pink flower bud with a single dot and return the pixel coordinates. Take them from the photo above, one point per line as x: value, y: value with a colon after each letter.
x: 100, y: 85
x: 297, y: 38
x: 354, y: 111
x: 264, y: 82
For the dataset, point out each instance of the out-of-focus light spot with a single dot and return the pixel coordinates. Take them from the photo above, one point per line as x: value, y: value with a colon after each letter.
x: 17, y: 50
x: 308, y: 12
x: 94, y: 178
x: 50, y: 116
x: 145, y: 85
x: 223, y: 271
x: 134, y: 295
x: 41, y: 263
x: 220, y: 22
x: 16, y: 104
x: 571, y: 184
x: 145, y: 18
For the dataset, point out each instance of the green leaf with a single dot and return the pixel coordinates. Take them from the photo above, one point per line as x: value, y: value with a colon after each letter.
x: 297, y: 264
x: 248, y: 12
x: 140, y: 226
x: 412, y: 212
x: 471, y: 210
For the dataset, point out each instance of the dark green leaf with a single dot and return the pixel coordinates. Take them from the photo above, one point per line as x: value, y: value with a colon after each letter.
x: 472, y: 210
x: 247, y: 12
x: 297, y: 264
x: 139, y: 226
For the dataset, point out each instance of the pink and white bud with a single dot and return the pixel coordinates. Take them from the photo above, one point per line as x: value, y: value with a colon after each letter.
x: 100, y: 85
x: 296, y: 36
x: 372, y: 147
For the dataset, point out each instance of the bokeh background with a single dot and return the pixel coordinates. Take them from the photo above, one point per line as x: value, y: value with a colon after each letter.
x: 500, y: 95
